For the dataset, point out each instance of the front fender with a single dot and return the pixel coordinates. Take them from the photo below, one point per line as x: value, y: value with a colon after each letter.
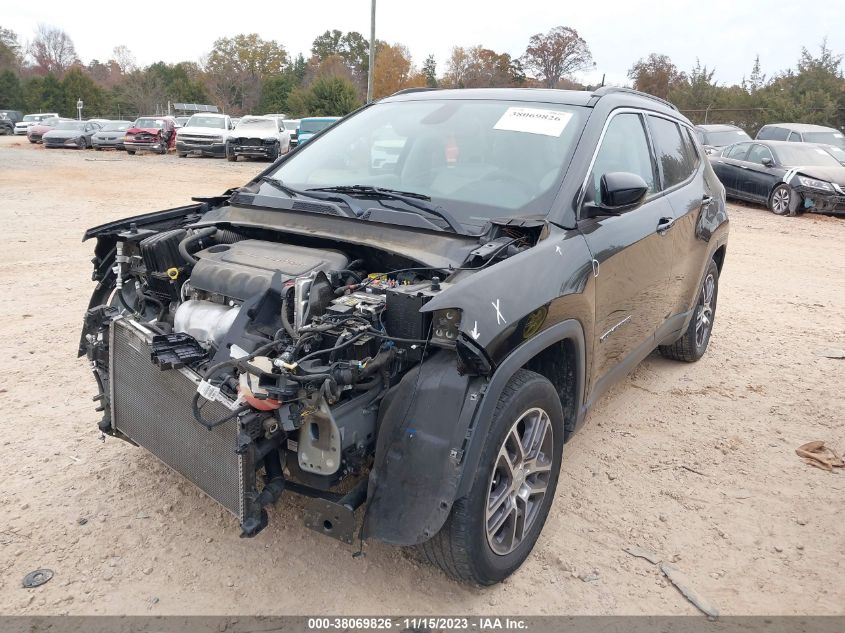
x: 432, y: 430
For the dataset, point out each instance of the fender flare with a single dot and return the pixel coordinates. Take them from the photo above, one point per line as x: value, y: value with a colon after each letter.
x: 433, y: 425
x: 518, y: 358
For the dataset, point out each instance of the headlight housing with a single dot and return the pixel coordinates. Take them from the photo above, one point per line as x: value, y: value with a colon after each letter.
x: 813, y: 183
x: 445, y: 326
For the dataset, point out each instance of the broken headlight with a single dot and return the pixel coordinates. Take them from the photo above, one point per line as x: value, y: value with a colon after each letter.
x: 813, y: 183
x: 445, y: 326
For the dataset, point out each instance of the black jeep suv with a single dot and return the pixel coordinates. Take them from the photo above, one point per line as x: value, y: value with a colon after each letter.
x: 420, y: 335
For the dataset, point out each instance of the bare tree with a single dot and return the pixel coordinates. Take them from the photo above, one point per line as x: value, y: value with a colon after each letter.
x: 558, y: 53
x: 124, y: 58
x: 52, y: 50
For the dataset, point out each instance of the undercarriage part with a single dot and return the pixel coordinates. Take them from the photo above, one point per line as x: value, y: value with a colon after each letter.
x: 336, y: 518
x: 319, y: 441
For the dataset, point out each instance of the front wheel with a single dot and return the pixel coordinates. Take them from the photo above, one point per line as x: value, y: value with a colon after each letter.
x: 692, y: 345
x: 131, y: 152
x: 491, y: 531
x: 783, y: 200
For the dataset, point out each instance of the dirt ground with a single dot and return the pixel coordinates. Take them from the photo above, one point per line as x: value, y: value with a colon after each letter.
x: 695, y: 462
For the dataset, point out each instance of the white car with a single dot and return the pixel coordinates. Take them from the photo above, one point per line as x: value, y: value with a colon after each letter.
x: 205, y: 133
x: 31, y: 119
x: 258, y: 137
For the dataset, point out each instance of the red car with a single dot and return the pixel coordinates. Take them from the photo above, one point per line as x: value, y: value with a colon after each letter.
x: 35, y: 132
x: 151, y: 133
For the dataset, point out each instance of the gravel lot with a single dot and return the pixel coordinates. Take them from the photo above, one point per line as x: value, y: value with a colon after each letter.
x: 695, y: 462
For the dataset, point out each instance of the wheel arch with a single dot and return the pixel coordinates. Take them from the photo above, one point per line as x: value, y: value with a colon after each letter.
x: 433, y: 425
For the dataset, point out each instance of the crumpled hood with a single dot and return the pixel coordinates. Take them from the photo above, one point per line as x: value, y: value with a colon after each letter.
x: 139, y: 130
x: 828, y: 174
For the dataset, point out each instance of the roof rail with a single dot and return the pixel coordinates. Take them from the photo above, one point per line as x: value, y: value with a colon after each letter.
x: 604, y: 90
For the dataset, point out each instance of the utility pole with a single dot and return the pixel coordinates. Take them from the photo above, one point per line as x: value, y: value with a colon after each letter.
x: 372, y: 51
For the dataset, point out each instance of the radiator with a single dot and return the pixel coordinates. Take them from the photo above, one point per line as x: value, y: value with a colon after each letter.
x: 153, y: 408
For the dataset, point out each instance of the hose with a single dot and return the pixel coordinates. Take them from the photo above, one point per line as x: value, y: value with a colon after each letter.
x: 285, y: 320
x: 195, y: 237
x: 195, y: 408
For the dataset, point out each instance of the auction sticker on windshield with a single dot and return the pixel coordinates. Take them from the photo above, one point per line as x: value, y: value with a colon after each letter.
x: 534, y: 121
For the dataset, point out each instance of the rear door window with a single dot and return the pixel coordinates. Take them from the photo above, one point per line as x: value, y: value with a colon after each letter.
x: 673, y: 153
x: 794, y: 137
x: 738, y: 151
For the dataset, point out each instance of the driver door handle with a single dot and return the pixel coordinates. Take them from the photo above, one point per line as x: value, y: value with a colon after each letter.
x: 664, y: 224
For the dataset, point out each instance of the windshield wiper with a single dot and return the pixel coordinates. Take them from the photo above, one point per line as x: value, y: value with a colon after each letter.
x: 297, y: 193
x: 417, y: 201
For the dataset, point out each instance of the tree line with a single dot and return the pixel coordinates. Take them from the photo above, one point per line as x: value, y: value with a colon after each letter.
x: 248, y: 74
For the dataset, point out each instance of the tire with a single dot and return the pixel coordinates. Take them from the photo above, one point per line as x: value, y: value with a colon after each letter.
x: 131, y: 152
x: 163, y: 147
x: 783, y: 200
x: 464, y: 548
x: 183, y: 155
x: 231, y: 157
x: 275, y: 154
x: 693, y: 344
x: 84, y: 144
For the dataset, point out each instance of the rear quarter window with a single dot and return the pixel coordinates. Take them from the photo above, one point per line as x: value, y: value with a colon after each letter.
x: 772, y: 133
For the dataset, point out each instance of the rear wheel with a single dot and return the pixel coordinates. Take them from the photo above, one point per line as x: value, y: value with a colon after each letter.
x: 692, y: 345
x: 491, y: 531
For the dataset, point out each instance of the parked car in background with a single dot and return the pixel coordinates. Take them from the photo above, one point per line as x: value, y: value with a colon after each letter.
x: 292, y: 126
x: 204, y: 134
x: 150, y: 133
x: 75, y: 134
x: 801, y: 133
x: 258, y: 137
x: 31, y: 119
x: 789, y: 178
x: 8, y: 119
x: 715, y: 137
x: 310, y: 126
x: 38, y: 130
x: 110, y: 135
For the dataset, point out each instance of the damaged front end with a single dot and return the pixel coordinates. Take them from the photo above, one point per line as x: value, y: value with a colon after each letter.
x: 252, y: 363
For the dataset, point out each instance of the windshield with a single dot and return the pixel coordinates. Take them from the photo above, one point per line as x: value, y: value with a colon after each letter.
x: 115, y: 126
x: 725, y: 137
x: 199, y: 120
x: 32, y: 117
x: 837, y: 152
x: 801, y: 155
x: 256, y: 124
x: 291, y: 126
x: 149, y: 123
x: 312, y: 126
x: 829, y: 138
x: 477, y: 159
x: 70, y: 125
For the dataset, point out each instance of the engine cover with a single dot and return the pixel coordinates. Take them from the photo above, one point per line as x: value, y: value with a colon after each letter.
x: 244, y: 269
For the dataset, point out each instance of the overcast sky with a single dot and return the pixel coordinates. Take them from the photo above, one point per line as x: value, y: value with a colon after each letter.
x: 725, y: 34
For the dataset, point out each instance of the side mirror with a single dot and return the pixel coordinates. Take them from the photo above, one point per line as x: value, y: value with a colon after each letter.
x: 767, y: 162
x: 620, y: 191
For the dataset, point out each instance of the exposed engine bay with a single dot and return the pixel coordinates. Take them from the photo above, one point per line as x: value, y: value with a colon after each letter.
x: 282, y: 349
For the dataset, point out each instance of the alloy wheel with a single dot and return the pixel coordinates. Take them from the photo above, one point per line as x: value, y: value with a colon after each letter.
x: 519, y: 481
x: 704, y: 317
x: 780, y: 200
